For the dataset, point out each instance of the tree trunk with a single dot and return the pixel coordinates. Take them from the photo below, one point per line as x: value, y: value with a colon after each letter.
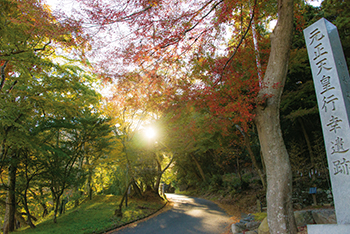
x: 45, y: 211
x: 26, y: 208
x: 20, y: 219
x: 159, y: 176
x: 160, y: 172
x: 41, y: 201
x: 9, y: 220
x: 136, y: 189
x: 56, y: 205
x: 56, y: 195
x: 18, y: 215
x: 76, y: 188
x: 25, y: 200
x: 255, y: 163
x: 278, y: 169
x: 199, y: 168
x: 118, y: 212
x: 262, y: 161
x: 238, y: 170
x: 89, y: 184
x: 309, y: 147
x: 252, y: 157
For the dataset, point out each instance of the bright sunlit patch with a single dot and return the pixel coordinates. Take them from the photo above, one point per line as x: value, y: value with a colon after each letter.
x: 272, y: 25
x: 315, y: 3
x: 150, y: 132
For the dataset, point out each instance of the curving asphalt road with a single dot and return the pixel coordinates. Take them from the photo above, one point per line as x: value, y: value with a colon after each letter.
x: 188, y: 216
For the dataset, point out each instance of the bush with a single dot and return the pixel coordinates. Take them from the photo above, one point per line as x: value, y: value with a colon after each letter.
x: 231, y: 181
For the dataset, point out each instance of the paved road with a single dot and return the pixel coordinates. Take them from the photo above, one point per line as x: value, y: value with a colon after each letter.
x: 188, y: 216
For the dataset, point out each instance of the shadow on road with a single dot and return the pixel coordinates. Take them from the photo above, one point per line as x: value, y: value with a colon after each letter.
x: 188, y: 215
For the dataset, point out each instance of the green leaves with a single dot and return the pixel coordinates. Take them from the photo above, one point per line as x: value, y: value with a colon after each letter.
x: 49, y: 110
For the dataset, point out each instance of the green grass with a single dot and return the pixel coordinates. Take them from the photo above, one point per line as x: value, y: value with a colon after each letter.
x: 95, y: 216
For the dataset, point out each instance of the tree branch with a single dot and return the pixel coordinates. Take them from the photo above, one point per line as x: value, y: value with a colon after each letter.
x: 239, y: 44
x: 167, y: 166
x: 128, y: 17
x: 196, y: 24
x: 203, y: 17
x: 12, y: 86
x: 3, y: 74
x: 44, y: 47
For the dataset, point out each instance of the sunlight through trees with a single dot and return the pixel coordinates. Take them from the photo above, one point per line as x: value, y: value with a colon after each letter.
x: 124, y: 97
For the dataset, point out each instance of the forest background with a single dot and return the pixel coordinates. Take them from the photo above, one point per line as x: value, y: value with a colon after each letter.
x: 62, y: 141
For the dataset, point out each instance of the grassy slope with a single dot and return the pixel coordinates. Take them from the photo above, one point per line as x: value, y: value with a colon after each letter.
x: 95, y: 216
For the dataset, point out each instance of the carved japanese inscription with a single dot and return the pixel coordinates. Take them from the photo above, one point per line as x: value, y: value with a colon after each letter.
x: 331, y: 80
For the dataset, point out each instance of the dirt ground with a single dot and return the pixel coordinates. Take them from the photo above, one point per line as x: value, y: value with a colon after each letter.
x: 244, y: 204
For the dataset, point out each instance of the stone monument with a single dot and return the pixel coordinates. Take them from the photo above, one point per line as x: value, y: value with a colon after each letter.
x: 332, y: 86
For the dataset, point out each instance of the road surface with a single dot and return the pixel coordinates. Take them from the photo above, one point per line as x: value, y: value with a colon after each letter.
x: 188, y: 216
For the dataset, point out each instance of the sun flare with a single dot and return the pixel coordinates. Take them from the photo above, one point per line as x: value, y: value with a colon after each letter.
x: 150, y: 132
